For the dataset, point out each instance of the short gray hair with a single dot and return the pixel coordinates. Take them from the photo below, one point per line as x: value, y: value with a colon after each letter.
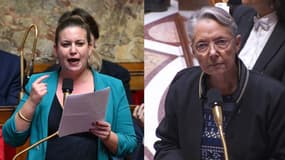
x: 217, y: 14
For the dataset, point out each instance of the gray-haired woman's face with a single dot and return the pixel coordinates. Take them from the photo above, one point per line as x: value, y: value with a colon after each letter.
x: 215, y: 47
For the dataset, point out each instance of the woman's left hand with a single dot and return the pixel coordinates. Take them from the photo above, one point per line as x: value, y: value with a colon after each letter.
x: 102, y: 129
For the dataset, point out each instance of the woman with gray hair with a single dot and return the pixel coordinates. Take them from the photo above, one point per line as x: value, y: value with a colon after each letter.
x: 253, y: 126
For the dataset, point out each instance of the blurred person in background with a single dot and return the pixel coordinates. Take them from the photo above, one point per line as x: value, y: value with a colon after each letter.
x: 9, y: 79
x: 261, y: 24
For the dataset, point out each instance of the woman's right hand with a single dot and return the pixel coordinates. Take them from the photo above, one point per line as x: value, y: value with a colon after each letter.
x: 39, y: 89
x: 138, y: 114
x: 26, y: 113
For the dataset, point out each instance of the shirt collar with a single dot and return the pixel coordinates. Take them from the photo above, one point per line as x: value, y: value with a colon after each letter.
x: 265, y: 22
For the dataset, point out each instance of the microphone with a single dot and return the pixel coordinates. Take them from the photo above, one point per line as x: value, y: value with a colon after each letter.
x: 67, y: 88
x: 215, y: 100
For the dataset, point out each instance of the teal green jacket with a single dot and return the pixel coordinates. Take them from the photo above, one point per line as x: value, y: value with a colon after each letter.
x: 117, y: 114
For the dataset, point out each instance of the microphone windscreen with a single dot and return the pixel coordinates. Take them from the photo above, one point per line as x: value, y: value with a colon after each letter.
x: 214, y: 97
x: 67, y: 85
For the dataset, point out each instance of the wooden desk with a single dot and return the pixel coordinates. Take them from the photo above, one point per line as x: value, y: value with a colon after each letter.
x: 5, y: 113
x: 137, y: 74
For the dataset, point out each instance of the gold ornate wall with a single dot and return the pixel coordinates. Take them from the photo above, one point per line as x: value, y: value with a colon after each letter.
x: 120, y: 24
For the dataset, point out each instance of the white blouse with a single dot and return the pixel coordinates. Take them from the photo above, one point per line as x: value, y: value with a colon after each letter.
x: 257, y: 39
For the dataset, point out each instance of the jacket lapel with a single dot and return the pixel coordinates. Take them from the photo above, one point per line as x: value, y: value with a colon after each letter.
x: 271, y: 48
x: 245, y: 29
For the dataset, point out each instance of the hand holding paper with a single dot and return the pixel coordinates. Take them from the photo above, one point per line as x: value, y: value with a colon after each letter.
x: 101, y: 129
x: 81, y: 110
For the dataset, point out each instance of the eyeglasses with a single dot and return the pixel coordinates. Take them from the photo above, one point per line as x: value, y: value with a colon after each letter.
x: 219, y: 44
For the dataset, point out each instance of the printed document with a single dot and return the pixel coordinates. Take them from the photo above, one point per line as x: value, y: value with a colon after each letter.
x: 80, y: 110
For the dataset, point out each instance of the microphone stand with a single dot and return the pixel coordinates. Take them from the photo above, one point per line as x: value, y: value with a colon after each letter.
x: 218, y: 117
x: 215, y: 99
x: 35, y: 144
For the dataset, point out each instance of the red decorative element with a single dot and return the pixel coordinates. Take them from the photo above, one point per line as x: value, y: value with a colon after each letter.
x: 6, y: 152
x: 138, y: 97
x: 2, y: 153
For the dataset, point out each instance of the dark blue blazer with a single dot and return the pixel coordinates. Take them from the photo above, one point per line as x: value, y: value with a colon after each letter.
x: 9, y: 79
x: 271, y: 61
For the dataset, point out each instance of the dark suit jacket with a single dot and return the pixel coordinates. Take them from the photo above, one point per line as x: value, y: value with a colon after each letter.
x: 117, y: 71
x: 9, y: 79
x: 272, y: 59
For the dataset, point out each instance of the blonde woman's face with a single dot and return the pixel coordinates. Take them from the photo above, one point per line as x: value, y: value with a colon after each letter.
x: 73, y: 49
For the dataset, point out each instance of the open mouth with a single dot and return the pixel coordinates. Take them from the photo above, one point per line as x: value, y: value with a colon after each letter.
x: 73, y: 60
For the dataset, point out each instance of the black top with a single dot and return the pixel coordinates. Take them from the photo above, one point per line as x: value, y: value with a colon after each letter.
x: 117, y: 71
x: 72, y: 147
